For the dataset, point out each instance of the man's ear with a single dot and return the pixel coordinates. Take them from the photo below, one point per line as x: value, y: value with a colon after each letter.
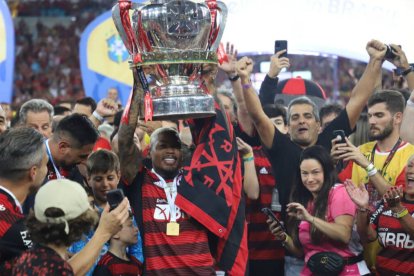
x: 398, y: 118
x: 63, y: 146
x: 33, y: 172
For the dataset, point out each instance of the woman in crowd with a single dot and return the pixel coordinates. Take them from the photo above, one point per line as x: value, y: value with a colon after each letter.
x: 391, y: 224
x: 61, y: 216
x: 321, y: 216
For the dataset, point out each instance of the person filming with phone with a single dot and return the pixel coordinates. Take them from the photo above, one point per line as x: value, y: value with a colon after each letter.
x: 320, y: 219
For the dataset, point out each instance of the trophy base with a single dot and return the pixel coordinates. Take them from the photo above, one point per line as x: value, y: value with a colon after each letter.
x: 183, y: 107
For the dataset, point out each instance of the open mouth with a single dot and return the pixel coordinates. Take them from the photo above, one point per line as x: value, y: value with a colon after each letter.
x: 302, y: 129
x: 410, y: 181
x: 170, y: 160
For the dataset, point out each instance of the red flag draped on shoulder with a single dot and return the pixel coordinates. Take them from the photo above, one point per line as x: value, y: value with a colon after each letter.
x: 211, y: 189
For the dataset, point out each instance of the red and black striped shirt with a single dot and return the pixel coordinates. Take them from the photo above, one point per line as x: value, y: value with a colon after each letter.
x: 14, y: 237
x: 109, y: 264
x: 186, y: 254
x: 397, y: 254
x: 262, y: 244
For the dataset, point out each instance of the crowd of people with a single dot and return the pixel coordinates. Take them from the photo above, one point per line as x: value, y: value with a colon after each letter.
x: 193, y: 196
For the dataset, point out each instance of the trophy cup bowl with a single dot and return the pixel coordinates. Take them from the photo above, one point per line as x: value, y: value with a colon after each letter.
x: 170, y: 41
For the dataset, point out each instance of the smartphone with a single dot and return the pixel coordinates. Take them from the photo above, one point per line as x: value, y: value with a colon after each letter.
x: 281, y: 45
x: 272, y: 216
x: 341, y: 133
x: 114, y: 197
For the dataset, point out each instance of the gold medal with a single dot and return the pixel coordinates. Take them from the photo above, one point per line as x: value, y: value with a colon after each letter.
x: 173, y: 229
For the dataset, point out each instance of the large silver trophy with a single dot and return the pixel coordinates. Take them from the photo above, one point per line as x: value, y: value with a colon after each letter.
x: 170, y: 42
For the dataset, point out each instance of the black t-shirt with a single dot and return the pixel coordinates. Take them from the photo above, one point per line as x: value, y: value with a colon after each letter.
x: 14, y: 237
x: 284, y: 155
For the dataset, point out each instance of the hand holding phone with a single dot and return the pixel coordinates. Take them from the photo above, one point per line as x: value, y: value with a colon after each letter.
x: 281, y: 45
x: 114, y: 198
x: 341, y: 133
x: 272, y: 216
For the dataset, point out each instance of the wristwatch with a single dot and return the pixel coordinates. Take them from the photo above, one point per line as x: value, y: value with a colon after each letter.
x: 407, y: 71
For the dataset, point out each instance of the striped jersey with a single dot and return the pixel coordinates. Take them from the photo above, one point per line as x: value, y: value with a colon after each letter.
x: 186, y: 254
x: 109, y: 264
x: 397, y: 254
x: 262, y: 244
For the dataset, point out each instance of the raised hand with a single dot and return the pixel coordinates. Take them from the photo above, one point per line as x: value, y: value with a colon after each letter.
x: 359, y: 195
x: 393, y: 198
x: 106, y: 107
x: 401, y: 60
x: 376, y: 49
x: 229, y: 67
x: 244, y: 68
x: 277, y: 63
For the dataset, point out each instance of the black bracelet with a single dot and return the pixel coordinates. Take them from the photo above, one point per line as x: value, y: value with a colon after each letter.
x: 236, y: 77
x: 407, y: 71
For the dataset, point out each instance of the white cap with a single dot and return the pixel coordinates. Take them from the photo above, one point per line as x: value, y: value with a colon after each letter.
x: 63, y: 194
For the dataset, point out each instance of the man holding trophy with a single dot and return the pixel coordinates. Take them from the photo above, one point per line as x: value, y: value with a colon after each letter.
x: 190, y: 213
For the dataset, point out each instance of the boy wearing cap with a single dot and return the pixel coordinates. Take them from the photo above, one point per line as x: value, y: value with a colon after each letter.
x: 61, y: 215
x: 117, y: 261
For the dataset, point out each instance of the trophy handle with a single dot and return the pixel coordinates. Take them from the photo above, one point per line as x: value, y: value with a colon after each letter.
x: 120, y: 16
x: 217, y: 32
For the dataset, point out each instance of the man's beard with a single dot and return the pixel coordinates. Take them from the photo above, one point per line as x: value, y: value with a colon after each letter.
x: 385, y: 133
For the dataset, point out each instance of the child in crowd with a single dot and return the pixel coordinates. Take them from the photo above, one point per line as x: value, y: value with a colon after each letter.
x: 117, y: 261
x: 103, y: 171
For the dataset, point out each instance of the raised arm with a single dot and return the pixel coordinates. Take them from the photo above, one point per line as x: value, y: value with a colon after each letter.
x: 109, y: 224
x: 262, y: 123
x: 407, y: 126
x: 268, y: 87
x: 359, y: 195
x: 366, y: 85
x: 105, y: 108
x: 393, y: 198
x: 130, y: 156
x: 229, y: 67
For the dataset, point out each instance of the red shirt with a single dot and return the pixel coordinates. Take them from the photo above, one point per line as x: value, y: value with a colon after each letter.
x: 14, y: 237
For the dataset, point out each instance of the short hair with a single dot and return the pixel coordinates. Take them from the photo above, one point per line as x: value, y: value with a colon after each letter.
x: 88, y: 101
x: 36, y: 106
x: 275, y: 110
x: 102, y: 161
x: 304, y: 100
x: 228, y: 94
x: 394, y: 100
x: 78, y: 128
x: 52, y: 233
x: 20, y: 149
x: 328, y: 109
x: 60, y: 110
x: 155, y: 135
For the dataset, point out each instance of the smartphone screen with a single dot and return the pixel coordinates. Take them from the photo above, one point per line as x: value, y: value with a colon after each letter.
x: 281, y: 45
